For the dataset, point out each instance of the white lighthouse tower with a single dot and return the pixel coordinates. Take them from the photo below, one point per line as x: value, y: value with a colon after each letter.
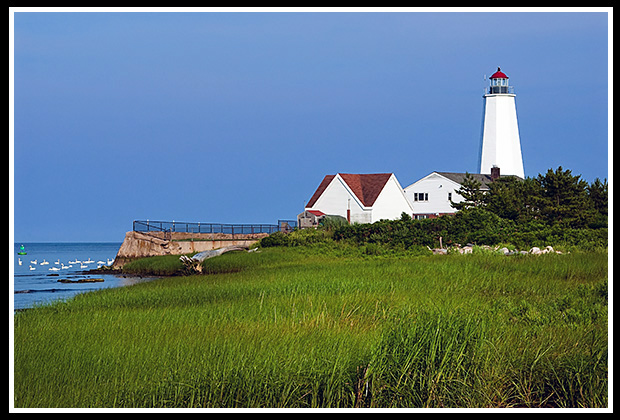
x: 500, y: 145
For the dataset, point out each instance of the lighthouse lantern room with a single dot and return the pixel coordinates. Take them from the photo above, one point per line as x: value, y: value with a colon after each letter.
x: 499, y: 83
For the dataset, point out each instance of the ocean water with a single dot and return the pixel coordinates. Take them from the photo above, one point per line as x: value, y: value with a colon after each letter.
x: 35, y: 282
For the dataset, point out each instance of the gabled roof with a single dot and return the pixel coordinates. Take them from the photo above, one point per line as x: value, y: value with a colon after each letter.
x: 326, y: 181
x: 366, y: 187
x: 484, y: 179
x: 458, y: 177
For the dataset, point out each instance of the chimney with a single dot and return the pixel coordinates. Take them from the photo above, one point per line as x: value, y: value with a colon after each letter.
x: 494, y: 173
x: 349, y: 211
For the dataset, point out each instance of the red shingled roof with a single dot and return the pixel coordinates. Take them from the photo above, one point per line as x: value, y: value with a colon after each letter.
x: 326, y: 181
x: 366, y: 187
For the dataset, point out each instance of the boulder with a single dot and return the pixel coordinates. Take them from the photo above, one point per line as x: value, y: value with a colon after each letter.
x: 466, y: 249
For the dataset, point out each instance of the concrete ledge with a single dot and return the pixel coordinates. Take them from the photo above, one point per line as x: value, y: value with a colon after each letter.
x: 148, y: 244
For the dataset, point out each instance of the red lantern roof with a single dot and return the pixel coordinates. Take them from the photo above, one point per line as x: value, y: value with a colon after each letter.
x: 499, y: 75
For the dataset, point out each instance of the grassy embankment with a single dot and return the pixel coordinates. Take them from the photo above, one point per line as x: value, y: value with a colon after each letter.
x: 328, y: 327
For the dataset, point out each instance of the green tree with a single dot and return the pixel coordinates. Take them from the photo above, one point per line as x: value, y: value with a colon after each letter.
x: 513, y: 198
x: 472, y: 195
x: 597, y: 192
x: 564, y: 199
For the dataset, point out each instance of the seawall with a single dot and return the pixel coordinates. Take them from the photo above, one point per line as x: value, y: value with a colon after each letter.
x: 149, y: 244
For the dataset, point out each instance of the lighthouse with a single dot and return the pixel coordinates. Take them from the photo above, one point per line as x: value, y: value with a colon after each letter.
x: 500, y: 144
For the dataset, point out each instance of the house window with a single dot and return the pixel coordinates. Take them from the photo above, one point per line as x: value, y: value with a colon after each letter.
x: 449, y: 196
x: 420, y: 196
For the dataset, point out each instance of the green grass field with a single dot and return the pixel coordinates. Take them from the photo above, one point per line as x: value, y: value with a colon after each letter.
x: 316, y: 327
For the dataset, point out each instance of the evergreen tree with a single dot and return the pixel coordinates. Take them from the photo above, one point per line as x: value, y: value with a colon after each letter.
x: 505, y: 198
x: 564, y: 199
x: 597, y: 192
x: 513, y: 198
x: 472, y: 195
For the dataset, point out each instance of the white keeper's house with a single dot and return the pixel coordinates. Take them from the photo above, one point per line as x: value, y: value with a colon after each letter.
x: 431, y: 195
x: 360, y: 198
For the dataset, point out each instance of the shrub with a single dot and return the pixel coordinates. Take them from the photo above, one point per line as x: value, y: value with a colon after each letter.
x: 275, y: 239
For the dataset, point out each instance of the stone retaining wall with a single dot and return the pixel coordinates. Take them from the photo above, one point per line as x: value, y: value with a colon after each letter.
x: 148, y: 244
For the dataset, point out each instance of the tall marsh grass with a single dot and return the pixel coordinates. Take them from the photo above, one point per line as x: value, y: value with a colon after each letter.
x: 301, y: 327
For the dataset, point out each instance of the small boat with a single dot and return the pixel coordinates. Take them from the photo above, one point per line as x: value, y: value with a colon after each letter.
x: 31, y: 268
x: 83, y: 266
x: 88, y: 261
x: 33, y: 262
x: 22, y: 250
x: 19, y: 261
x: 44, y: 262
x: 54, y: 269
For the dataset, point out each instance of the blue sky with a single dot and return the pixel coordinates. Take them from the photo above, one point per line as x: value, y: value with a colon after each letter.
x: 237, y: 117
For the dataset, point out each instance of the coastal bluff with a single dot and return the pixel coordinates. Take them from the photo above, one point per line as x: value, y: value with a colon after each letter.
x: 148, y: 244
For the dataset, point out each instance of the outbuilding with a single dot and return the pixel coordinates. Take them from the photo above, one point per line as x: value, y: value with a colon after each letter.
x: 309, y: 218
x: 360, y: 198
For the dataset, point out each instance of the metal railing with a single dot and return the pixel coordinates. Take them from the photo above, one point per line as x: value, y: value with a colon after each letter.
x: 199, y: 227
x: 494, y: 90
